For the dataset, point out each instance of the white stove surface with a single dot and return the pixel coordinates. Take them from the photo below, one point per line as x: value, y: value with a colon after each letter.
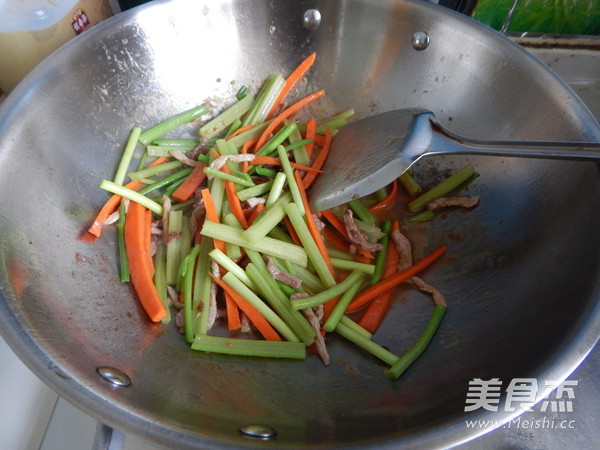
x: 32, y: 416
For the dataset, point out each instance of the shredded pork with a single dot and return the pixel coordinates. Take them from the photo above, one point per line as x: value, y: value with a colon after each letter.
x: 183, y: 158
x: 356, y: 235
x: 283, y: 276
x: 443, y: 202
x: 313, y: 318
x: 221, y: 160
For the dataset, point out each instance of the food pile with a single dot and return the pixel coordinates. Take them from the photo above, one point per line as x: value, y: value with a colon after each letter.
x: 216, y: 231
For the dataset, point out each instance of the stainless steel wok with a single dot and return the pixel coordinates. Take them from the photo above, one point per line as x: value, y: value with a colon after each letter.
x: 520, y: 276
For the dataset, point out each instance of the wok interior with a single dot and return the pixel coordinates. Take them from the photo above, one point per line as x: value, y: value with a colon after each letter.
x: 520, y: 275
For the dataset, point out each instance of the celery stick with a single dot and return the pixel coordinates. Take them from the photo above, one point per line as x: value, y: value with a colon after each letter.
x: 174, y: 247
x: 263, y: 171
x: 235, y: 125
x: 202, y: 285
x: 166, y: 181
x: 309, y: 245
x: 160, y: 281
x: 270, y: 291
x: 123, y: 261
x: 254, y: 191
x: 298, y: 144
x: 110, y: 186
x: 310, y: 281
x: 381, y: 254
x: 170, y: 124
x: 404, y: 362
x: 299, y: 151
x: 270, y: 219
x: 228, y: 264
x: 368, y: 269
x: 329, y: 293
x: 229, y: 177
x: 278, y: 233
x: 409, y: 184
x: 446, y: 186
x: 334, y: 253
x: 151, y: 171
x: 127, y: 155
x: 242, y: 92
x: 367, y: 344
x: 186, y: 237
x: 159, y: 150
x: 340, y: 307
x: 188, y: 312
x: 253, y: 133
x: 423, y: 216
x: 276, y: 189
x: 249, y: 347
x: 291, y: 181
x: 178, y: 143
x: 361, y: 211
x: 261, y: 306
x: 265, y: 100
x: 356, y: 328
x: 226, y: 118
x: 266, y: 245
x: 271, y: 145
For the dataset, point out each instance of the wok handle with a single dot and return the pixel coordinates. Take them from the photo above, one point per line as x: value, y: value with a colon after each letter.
x: 108, y: 438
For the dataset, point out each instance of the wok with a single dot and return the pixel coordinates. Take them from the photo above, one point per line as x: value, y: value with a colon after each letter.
x: 520, y: 275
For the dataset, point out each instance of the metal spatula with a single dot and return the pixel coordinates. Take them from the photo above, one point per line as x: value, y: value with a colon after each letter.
x: 368, y: 154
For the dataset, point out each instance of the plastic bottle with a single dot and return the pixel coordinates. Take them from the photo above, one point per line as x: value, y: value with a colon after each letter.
x: 32, y: 29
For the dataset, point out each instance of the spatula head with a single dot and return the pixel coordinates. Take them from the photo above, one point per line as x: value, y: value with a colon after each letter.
x: 369, y: 154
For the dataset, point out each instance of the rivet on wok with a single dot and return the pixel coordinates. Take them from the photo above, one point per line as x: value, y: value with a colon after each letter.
x: 114, y: 376
x: 312, y: 18
x: 420, y: 40
x: 258, y: 431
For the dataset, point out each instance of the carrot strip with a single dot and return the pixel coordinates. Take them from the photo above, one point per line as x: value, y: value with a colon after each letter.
x: 234, y: 201
x: 261, y: 324
x: 257, y: 211
x: 292, y: 231
x: 245, y: 149
x: 387, y: 283
x: 190, y: 184
x: 312, y: 225
x: 338, y: 241
x: 319, y: 140
x: 377, y: 309
x: 240, y: 130
x: 388, y: 200
x: 278, y: 120
x: 233, y: 313
x: 212, y: 215
x: 292, y: 79
x: 318, y: 162
x: 137, y: 243
x: 111, y: 204
x: 272, y: 161
x: 311, y: 131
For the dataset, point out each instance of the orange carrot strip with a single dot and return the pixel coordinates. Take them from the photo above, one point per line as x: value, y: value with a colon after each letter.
x: 234, y: 201
x: 387, y: 283
x: 244, y: 150
x: 318, y: 162
x: 261, y: 324
x: 311, y: 131
x: 278, y: 120
x: 319, y: 140
x: 292, y: 79
x: 292, y: 231
x: 137, y: 243
x: 388, y: 200
x: 111, y: 204
x: 190, y: 184
x: 377, y: 309
x: 272, y: 161
x: 233, y: 313
x: 257, y: 211
x: 211, y: 214
x: 240, y: 130
x: 312, y: 226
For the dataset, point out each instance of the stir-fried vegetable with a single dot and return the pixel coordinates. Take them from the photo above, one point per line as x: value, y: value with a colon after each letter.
x: 234, y: 238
